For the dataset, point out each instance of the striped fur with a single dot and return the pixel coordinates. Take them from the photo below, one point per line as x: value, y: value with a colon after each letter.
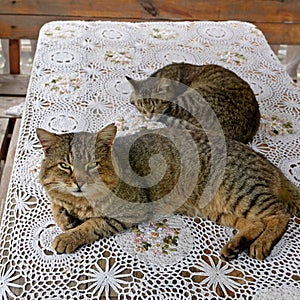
x: 254, y: 196
x: 176, y: 93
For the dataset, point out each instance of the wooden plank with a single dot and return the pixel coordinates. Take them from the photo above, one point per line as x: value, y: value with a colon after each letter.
x: 79, y: 8
x: 255, y: 10
x: 5, y: 178
x: 28, y: 27
x: 14, y: 56
x: 3, y: 136
x: 278, y: 19
x: 8, y: 102
x: 13, y: 85
x: 281, y: 34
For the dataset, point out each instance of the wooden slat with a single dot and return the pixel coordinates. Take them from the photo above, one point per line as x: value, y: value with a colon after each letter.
x: 278, y: 19
x: 27, y: 27
x: 80, y: 8
x: 13, y: 85
x: 254, y: 10
x: 3, y: 136
x: 4, y: 183
x: 14, y: 56
x: 281, y: 34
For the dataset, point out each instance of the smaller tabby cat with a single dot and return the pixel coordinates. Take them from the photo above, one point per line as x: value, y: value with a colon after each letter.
x: 177, y: 91
x: 83, y: 176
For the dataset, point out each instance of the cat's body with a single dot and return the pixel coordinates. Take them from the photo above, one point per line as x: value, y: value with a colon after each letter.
x: 177, y: 92
x: 81, y: 177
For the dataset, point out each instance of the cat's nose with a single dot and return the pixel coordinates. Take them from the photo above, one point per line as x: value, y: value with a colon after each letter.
x: 80, y: 184
x: 149, y: 115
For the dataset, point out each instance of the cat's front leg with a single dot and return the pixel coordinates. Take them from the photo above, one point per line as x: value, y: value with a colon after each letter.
x: 63, y: 219
x: 88, y: 232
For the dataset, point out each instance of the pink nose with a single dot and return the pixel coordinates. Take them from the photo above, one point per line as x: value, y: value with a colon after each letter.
x: 149, y: 115
x: 80, y: 183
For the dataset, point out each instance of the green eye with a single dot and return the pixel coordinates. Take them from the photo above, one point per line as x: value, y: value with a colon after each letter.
x: 92, y: 165
x: 64, y: 166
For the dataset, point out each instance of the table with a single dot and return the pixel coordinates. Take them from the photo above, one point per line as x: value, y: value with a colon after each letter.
x: 78, y: 83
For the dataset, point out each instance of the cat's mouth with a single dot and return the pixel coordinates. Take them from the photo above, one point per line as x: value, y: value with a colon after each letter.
x: 85, y: 192
x: 78, y: 191
x: 152, y: 116
x: 149, y: 115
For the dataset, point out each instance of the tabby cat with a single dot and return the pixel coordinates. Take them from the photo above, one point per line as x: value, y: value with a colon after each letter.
x: 95, y: 195
x: 175, y: 93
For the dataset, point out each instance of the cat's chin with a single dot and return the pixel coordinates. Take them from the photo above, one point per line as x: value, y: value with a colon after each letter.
x: 90, y: 195
x: 153, y: 117
x: 78, y: 194
x: 82, y: 192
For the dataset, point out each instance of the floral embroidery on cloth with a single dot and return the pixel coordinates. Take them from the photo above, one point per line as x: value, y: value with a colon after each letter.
x: 157, y: 237
x: 275, y: 125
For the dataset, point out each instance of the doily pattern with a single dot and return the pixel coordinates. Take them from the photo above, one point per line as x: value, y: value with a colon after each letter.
x: 78, y: 83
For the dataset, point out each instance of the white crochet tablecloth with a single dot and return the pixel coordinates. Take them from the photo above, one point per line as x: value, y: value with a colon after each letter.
x: 78, y: 83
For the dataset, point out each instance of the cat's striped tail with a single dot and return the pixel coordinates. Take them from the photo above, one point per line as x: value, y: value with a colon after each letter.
x: 291, y: 196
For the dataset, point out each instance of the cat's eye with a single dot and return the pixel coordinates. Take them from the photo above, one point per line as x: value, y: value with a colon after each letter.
x: 64, y: 166
x: 92, y: 165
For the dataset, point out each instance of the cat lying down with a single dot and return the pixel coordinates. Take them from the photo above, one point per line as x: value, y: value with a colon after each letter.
x: 180, y: 93
x: 98, y: 187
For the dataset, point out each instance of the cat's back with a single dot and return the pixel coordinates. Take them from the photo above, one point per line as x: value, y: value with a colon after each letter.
x: 193, y: 75
x: 141, y: 146
x: 180, y: 72
x: 158, y: 156
x: 230, y: 97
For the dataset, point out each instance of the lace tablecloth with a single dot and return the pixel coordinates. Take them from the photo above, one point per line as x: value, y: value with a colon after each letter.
x: 78, y: 83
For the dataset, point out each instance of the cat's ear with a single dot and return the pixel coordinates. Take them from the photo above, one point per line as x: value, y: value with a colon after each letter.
x: 107, y: 135
x: 134, y: 83
x: 46, y: 138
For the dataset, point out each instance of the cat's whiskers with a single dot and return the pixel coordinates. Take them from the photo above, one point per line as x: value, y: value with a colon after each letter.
x: 57, y: 186
x: 94, y: 190
x: 100, y: 187
x: 50, y: 186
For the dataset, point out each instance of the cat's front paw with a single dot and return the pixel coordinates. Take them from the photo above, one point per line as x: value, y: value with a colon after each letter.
x: 234, y: 247
x: 260, y: 249
x: 65, y: 221
x: 230, y: 251
x: 66, y: 242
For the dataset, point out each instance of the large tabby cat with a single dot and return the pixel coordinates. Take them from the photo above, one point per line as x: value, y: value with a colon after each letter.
x: 177, y: 91
x: 81, y: 173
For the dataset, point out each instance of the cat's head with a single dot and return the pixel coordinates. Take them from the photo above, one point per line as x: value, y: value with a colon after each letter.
x: 78, y: 164
x: 151, y: 96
